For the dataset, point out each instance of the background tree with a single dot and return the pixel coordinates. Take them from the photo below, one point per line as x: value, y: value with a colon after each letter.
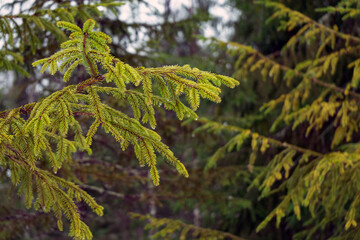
x: 314, y: 55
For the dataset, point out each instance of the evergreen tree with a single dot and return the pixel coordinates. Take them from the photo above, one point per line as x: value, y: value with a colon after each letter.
x: 291, y: 164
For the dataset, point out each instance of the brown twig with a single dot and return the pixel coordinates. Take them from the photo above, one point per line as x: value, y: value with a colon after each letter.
x: 87, y: 57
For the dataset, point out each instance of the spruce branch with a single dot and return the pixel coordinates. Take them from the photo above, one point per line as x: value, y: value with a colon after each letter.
x: 296, y: 72
x: 166, y: 227
x: 51, y: 132
x: 27, y: 108
x: 87, y: 57
x: 282, y: 10
x: 238, y: 140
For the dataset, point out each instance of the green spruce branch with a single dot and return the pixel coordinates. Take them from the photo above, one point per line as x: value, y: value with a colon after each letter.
x: 308, y: 181
x: 44, y: 134
x: 297, y: 19
x: 166, y: 227
x: 291, y: 72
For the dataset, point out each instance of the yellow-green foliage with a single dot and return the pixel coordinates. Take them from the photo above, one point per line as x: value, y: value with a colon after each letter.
x: 325, y: 182
x: 20, y: 31
x: 45, y: 134
x: 168, y: 228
